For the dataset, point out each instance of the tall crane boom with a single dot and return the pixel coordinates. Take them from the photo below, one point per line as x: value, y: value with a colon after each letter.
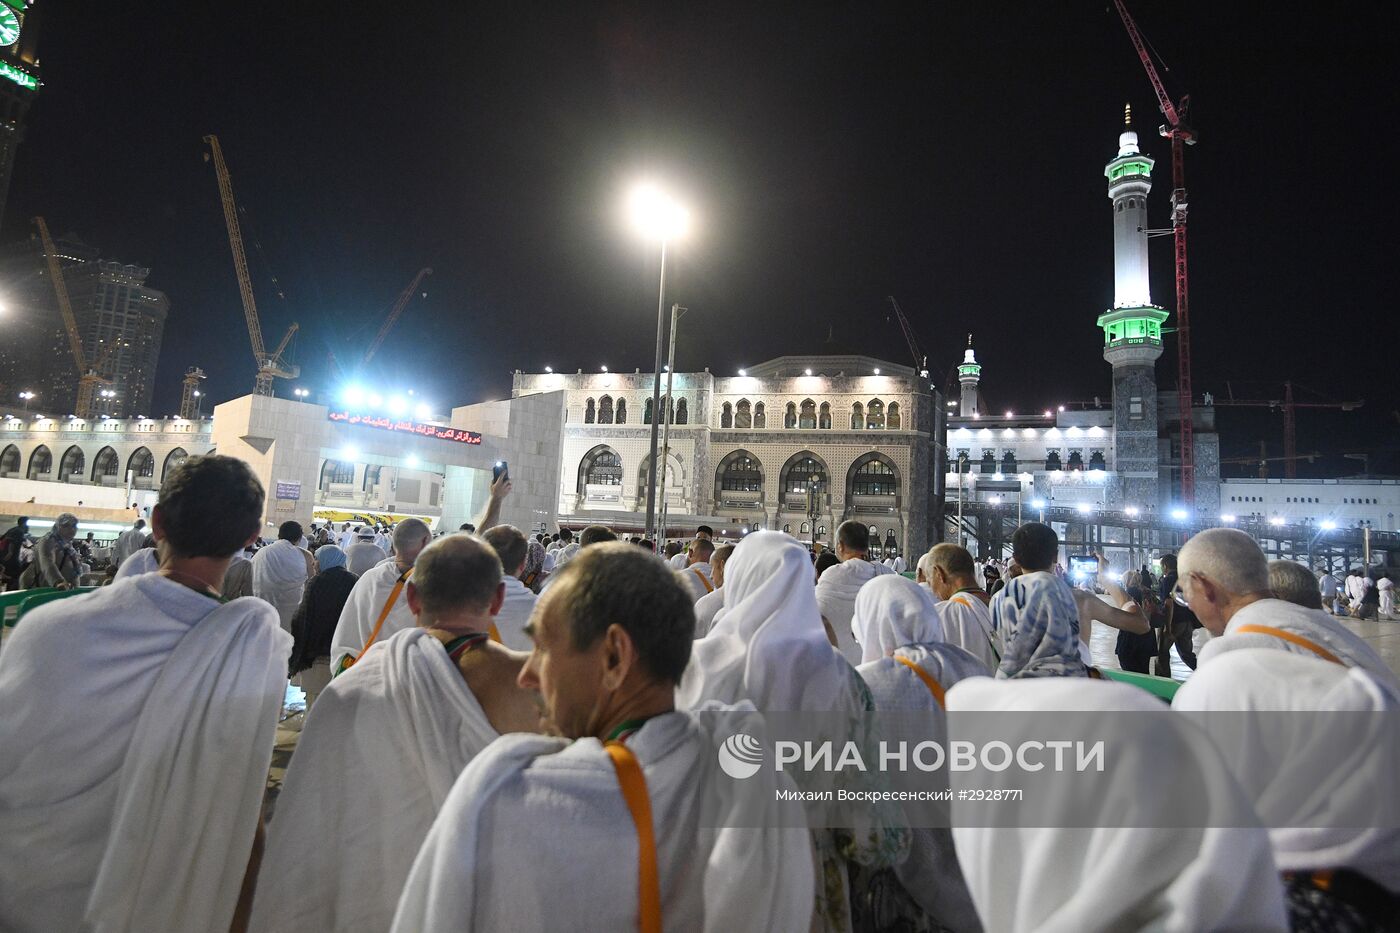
x: 89, y: 381
x: 402, y: 302
x: 1289, y: 408
x: 1181, y: 136
x: 920, y: 360
x: 268, y: 366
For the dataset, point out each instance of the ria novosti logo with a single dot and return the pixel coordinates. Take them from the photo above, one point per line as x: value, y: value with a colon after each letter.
x: 740, y: 756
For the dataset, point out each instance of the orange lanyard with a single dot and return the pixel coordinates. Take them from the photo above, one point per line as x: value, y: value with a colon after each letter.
x: 1291, y: 638
x: 934, y: 687
x: 634, y: 791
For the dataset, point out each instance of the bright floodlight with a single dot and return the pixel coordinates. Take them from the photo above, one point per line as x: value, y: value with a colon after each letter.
x: 1037, y: 503
x: 1047, y: 413
x: 1227, y: 519
x: 353, y: 396
x: 410, y: 461
x: 1179, y: 514
x: 549, y: 369
x: 422, y: 412
x: 807, y: 371
x: 349, y: 453
x: 656, y: 215
x: 743, y: 372
x: 1085, y: 508
x: 1276, y: 520
x: 995, y: 500
x: 1329, y: 525
x: 1131, y: 511
x: 373, y: 400
x: 1008, y: 414
x: 397, y: 405
x: 877, y: 370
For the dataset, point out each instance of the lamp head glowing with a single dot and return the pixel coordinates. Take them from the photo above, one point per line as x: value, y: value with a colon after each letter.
x: 422, y: 412
x: 397, y: 405
x: 411, y: 461
x: 1329, y: 525
x: 1037, y: 503
x: 1179, y: 514
x: 1085, y: 508
x: 743, y: 372
x: 353, y: 396
x: 1227, y: 519
x: 549, y: 369
x: 656, y: 215
x: 1131, y: 511
x: 1276, y: 520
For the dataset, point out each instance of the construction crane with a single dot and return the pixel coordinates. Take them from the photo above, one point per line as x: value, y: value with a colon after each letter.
x: 90, y: 380
x: 1263, y: 460
x: 1181, y: 135
x: 1289, y: 408
x: 270, y: 366
x: 920, y: 359
x: 402, y: 302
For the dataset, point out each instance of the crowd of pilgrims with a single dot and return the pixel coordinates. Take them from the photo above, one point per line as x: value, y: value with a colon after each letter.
x: 501, y: 734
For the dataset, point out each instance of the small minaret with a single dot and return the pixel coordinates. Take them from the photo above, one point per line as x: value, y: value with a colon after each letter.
x: 1132, y: 327
x: 969, y: 374
x: 189, y: 393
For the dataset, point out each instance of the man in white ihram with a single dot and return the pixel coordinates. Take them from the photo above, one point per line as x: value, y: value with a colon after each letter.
x: 697, y: 575
x: 130, y: 797
x: 280, y: 572
x: 511, y: 547
x: 363, y: 555
x: 387, y: 741
x: 838, y: 586
x: 377, y: 608
x: 129, y: 542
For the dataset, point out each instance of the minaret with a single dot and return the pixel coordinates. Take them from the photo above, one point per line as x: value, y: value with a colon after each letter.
x: 969, y: 374
x: 1133, y: 327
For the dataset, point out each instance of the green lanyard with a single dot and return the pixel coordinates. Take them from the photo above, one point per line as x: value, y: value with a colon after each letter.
x: 624, y: 730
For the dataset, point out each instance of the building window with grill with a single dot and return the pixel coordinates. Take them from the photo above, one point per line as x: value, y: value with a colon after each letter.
x: 1076, y: 460
x: 787, y: 529
x: 964, y: 462
x: 742, y: 417
x: 805, y: 528
x: 801, y: 475
x: 1008, y: 462
x: 892, y: 417
x: 726, y: 416
x: 605, y: 410
x: 875, y: 415
x: 760, y: 420
x: 824, y: 416
x: 1052, y: 462
x: 646, y: 412
x: 622, y: 411
x: 1096, y: 461
x: 989, y: 461
x: 857, y: 417
x: 142, y: 463
x: 808, y: 419
x: 604, y: 469
x: 682, y: 416
x: 790, y: 416
x: 741, y: 475
x: 874, y: 478
x: 589, y: 416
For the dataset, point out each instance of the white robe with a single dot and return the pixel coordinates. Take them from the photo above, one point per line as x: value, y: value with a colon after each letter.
x: 566, y: 553
x: 345, y: 539
x: 128, y: 543
x: 362, y: 557
x: 143, y: 561
x: 1293, y: 777
x: 362, y: 610
x: 515, y: 612
x: 967, y: 623
x: 677, y: 561
x: 1143, y: 877
x: 129, y: 800
x: 706, y: 607
x: 690, y: 578
x: 536, y: 835
x: 1316, y: 625
x: 279, y: 576
x: 374, y: 764
x: 836, y: 597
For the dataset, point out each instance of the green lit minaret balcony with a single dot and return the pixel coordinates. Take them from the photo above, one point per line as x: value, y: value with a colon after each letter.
x: 1126, y: 327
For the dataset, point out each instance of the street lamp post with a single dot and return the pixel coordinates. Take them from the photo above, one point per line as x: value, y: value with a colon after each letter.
x: 198, y: 403
x: 26, y: 397
x: 658, y: 217
x: 668, y: 414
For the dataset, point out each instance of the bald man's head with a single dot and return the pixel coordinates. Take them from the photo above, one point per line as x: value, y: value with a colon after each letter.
x: 457, y: 574
x: 410, y: 537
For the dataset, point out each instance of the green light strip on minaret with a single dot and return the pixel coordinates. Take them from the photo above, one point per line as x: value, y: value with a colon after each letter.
x: 1129, y: 168
x: 970, y: 369
x: 1133, y: 325
x: 22, y: 78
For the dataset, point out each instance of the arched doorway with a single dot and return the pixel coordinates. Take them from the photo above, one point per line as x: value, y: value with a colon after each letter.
x: 739, y: 480
x: 142, y: 467
x: 71, y: 465
x: 9, y: 461
x: 172, y: 460
x: 40, y: 463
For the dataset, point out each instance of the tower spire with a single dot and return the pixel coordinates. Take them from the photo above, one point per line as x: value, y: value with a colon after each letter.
x: 1128, y: 115
x: 969, y: 375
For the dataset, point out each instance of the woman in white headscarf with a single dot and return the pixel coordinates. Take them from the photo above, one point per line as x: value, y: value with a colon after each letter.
x: 909, y: 668
x: 768, y: 646
x: 1322, y: 769
x: 1213, y: 871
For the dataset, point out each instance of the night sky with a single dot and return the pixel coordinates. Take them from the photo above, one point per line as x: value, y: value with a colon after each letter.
x: 950, y: 154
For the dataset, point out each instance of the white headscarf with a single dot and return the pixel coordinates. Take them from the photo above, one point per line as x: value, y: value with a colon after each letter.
x: 768, y: 645
x: 1068, y: 880
x: 891, y: 612
x: 1293, y: 774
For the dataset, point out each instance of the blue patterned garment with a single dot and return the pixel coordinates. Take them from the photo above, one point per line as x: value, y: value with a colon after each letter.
x: 1038, y: 621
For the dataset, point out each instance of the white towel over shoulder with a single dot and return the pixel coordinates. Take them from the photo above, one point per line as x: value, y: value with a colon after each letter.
x: 362, y: 610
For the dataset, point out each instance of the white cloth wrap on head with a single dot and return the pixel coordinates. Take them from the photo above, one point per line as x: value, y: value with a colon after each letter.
x: 1072, y: 879
x: 1289, y: 781
x: 891, y: 612
x: 374, y: 764
x: 279, y: 576
x: 836, y: 599
x: 767, y: 645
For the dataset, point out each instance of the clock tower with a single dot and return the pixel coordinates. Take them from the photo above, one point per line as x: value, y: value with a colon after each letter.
x: 19, y: 82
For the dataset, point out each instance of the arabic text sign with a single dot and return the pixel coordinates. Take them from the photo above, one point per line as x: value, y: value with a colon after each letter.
x: 441, y: 432
x: 288, y: 490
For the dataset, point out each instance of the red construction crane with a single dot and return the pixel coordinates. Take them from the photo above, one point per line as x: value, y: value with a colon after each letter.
x: 1289, y: 408
x: 404, y: 297
x: 1181, y: 136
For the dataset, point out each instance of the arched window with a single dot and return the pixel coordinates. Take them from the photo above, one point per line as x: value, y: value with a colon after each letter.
x: 824, y: 416
x: 742, y: 416
x: 9, y: 460
x: 740, y: 472
x: 682, y: 416
x: 106, y: 463
x: 622, y: 411
x: 588, y: 413
x: 989, y: 461
x: 726, y: 416
x: 605, y: 410
x: 601, y: 466
x: 806, y: 528
x: 821, y: 530
x: 142, y: 463
x: 808, y: 419
x: 72, y: 463
x: 40, y: 462
x: 872, y: 475
x: 1008, y: 462
x: 646, y: 412
x: 787, y: 529
x: 372, y: 474
x: 802, y: 471
x: 1096, y: 461
x: 760, y: 420
x: 172, y: 460
x: 892, y: 416
x: 1076, y: 460
x: 875, y: 415
x: 1052, y: 461
x: 337, y: 473
x: 790, y: 416
x: 857, y: 417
